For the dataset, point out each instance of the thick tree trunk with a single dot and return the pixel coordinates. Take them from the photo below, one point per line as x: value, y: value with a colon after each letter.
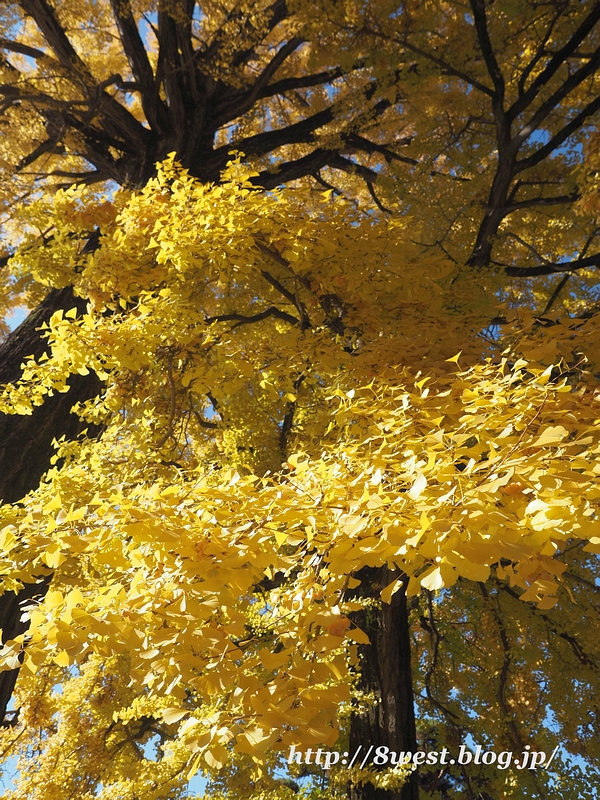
x: 26, y: 447
x: 11, y: 626
x: 385, y: 664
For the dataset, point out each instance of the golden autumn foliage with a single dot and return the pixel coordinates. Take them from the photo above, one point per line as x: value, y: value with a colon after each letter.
x: 387, y: 364
x: 160, y: 533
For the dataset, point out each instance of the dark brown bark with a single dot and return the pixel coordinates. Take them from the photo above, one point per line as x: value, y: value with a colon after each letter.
x: 185, y: 106
x: 26, y: 447
x: 11, y: 625
x: 386, y: 674
x: 26, y: 441
x: 501, y: 202
x: 549, y: 268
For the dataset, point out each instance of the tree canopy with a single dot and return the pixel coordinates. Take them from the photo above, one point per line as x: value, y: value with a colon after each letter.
x: 302, y: 427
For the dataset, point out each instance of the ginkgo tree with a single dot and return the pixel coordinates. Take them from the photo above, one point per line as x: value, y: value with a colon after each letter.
x: 330, y: 452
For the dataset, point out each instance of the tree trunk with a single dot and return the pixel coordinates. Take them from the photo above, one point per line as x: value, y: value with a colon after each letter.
x: 26, y: 447
x: 389, y: 719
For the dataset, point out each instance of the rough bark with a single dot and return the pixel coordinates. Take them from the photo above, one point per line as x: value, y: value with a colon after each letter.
x: 11, y: 626
x: 26, y: 447
x: 386, y: 675
x: 185, y: 106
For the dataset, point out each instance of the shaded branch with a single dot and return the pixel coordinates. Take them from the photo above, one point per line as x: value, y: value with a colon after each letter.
x: 347, y: 165
x: 299, y: 133
x: 436, y: 638
x: 203, y: 423
x: 506, y: 665
x: 563, y: 282
x: 554, y: 266
x: 45, y: 147
x: 573, y: 643
x: 557, y: 60
x: 242, y: 319
x: 291, y: 296
x: 115, y: 116
x: 293, y: 170
x: 561, y: 136
x: 278, y: 12
x: 543, y: 201
x: 25, y: 50
x: 288, y: 421
x: 47, y: 21
x: 448, y: 69
x: 169, y: 66
x: 137, y: 57
x: 274, y: 282
x: 302, y: 82
x: 539, y: 54
x: 330, y: 187
x: 368, y: 146
x: 555, y: 294
x: 376, y: 200
x: 280, y: 56
x: 493, y: 68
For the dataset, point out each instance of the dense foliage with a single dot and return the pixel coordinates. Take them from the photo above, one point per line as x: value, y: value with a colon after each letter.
x: 316, y: 283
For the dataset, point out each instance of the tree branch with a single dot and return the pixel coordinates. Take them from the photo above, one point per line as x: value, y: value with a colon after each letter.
x: 17, y: 47
x: 278, y: 11
x: 116, y: 115
x: 280, y: 56
x: 299, y: 133
x: 367, y: 146
x: 242, y: 319
x: 303, y: 82
x: 140, y: 65
x: 493, y: 68
x: 376, y: 200
x: 448, y: 69
x: 557, y: 60
x: 561, y: 136
x: 288, y: 421
x: 555, y: 294
x: 543, y: 201
x: 540, y: 53
x: 293, y: 170
x: 553, y: 267
x: 574, y: 644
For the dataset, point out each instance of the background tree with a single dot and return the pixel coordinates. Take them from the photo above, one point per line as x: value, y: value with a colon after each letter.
x: 345, y: 96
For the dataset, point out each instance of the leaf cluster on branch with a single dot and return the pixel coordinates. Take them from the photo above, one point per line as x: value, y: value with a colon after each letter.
x: 312, y: 350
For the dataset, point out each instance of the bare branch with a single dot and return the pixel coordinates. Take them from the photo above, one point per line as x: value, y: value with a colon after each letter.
x: 288, y: 420
x: 563, y: 282
x: 292, y: 170
x: 203, y: 423
x: 330, y: 187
